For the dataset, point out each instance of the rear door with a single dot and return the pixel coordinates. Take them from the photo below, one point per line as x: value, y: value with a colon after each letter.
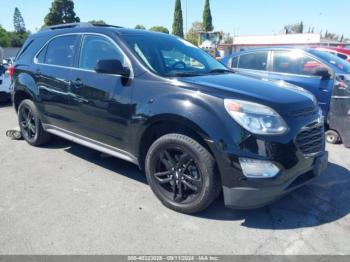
x: 252, y: 64
x: 298, y: 68
x: 53, y: 75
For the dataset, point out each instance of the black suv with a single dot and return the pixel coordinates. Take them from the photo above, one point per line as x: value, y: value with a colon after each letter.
x: 165, y: 105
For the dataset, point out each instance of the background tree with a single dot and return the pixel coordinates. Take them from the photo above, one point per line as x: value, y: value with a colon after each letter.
x: 178, y: 27
x: 61, y: 12
x: 18, y: 22
x: 227, y: 38
x: 5, y: 40
x: 12, y: 39
x: 297, y: 28
x: 161, y: 29
x: 193, y: 33
x: 141, y: 27
x: 97, y: 22
x: 301, y: 28
x: 331, y: 36
x: 207, y: 18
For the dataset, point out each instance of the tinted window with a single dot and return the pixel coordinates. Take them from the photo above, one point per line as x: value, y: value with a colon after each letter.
x: 61, y: 50
x: 294, y: 62
x: 234, y: 62
x: 96, y: 48
x: 255, y: 61
x: 342, y: 56
x: 41, y: 56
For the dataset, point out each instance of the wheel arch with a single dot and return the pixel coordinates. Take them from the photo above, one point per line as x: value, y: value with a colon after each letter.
x: 167, y: 124
x: 25, y: 87
x: 19, y: 96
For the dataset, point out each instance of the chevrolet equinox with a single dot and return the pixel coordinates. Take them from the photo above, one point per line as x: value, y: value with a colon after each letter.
x: 155, y: 100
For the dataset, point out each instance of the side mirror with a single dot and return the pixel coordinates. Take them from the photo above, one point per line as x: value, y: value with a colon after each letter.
x: 112, y: 67
x: 323, y: 72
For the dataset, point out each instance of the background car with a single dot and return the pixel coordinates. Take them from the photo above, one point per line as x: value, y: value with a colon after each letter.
x: 5, y: 82
x: 8, y: 61
x: 340, y: 52
x: 322, y: 73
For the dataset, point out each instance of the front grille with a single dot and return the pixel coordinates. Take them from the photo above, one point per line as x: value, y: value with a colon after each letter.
x: 304, y: 111
x: 311, y: 139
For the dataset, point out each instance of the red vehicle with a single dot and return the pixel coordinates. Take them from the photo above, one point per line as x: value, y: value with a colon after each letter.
x: 340, y: 52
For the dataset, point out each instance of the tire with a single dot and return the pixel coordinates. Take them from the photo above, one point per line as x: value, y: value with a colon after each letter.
x: 30, y: 124
x: 332, y: 137
x: 182, y: 173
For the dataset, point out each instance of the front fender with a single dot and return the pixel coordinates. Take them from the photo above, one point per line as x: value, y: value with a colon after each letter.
x: 203, y: 113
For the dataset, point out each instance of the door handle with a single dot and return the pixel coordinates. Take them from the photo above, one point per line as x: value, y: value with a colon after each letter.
x: 78, y: 83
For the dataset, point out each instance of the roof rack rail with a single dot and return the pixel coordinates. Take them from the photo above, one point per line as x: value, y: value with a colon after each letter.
x: 73, y: 25
x: 64, y: 26
x: 106, y: 25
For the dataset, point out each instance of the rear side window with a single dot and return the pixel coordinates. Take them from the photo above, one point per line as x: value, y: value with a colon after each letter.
x: 234, y: 62
x: 96, y: 48
x: 254, y: 61
x: 60, y: 51
x: 294, y: 62
x: 41, y: 56
x: 342, y: 56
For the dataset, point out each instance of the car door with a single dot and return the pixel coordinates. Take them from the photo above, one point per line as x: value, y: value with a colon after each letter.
x: 252, y: 64
x: 53, y: 75
x: 298, y: 68
x: 104, y: 100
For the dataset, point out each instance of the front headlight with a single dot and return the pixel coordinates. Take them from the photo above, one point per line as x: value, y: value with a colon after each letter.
x: 256, y: 118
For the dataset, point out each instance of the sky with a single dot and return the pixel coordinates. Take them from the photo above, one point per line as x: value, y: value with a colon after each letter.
x: 238, y: 17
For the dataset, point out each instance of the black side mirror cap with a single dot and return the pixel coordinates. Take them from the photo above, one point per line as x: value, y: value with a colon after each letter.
x: 112, y: 67
x: 323, y: 72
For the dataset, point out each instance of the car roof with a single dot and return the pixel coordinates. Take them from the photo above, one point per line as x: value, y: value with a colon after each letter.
x: 337, y: 49
x: 257, y: 49
x: 309, y: 50
x: 91, y: 28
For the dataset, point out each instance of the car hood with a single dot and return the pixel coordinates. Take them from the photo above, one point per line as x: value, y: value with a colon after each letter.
x: 285, y: 98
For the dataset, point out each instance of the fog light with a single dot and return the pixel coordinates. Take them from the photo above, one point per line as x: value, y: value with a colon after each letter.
x: 254, y: 168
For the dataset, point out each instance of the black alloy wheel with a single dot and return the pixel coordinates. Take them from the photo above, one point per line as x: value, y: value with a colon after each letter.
x: 182, y: 173
x: 30, y: 124
x: 177, y: 175
x: 27, y: 122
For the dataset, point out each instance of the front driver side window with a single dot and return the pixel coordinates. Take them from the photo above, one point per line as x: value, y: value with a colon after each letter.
x: 295, y: 62
x: 96, y: 48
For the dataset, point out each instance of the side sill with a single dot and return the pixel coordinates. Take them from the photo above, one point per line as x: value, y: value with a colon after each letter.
x: 93, y: 144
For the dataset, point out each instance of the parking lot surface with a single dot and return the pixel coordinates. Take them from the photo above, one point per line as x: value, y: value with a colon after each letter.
x: 67, y: 199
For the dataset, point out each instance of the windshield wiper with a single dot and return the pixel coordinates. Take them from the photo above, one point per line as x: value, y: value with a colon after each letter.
x: 185, y: 74
x: 220, y: 70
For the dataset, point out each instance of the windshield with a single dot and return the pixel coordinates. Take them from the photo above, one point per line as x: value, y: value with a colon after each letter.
x: 334, y: 60
x: 171, y: 56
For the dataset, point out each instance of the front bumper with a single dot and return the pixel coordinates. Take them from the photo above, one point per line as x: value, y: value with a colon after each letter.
x: 261, y: 195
